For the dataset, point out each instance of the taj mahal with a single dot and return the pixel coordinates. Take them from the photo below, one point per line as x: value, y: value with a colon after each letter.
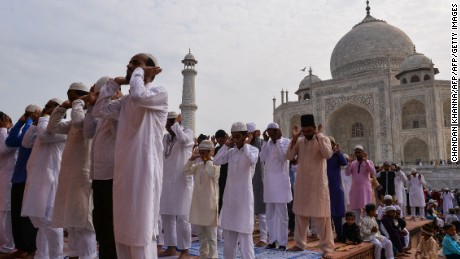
x: 383, y: 94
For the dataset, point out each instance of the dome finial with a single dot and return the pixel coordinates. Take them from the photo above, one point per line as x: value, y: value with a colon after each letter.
x: 368, y: 9
x: 310, y: 71
x: 415, y: 50
x: 189, y: 51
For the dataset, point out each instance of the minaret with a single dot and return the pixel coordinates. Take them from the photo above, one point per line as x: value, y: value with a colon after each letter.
x: 188, y: 106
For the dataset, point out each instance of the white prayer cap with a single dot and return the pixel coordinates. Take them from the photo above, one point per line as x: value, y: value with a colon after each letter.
x: 251, y: 126
x: 359, y: 147
x: 206, y: 145
x: 79, y: 86
x: 387, y: 197
x: 431, y: 201
x: 172, y: 115
x: 273, y: 125
x: 100, y: 83
x: 397, y: 207
x: 413, y: 170
x: 332, y: 139
x: 152, y: 57
x: 33, y: 108
x: 389, y: 208
x: 346, y: 156
x: 57, y: 100
x: 239, y: 126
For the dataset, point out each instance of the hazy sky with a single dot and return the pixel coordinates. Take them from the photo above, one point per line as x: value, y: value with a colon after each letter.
x: 246, y: 50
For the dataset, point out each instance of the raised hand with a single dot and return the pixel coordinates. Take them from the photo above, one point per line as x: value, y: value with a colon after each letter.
x: 121, y: 80
x: 67, y: 104
x: 91, y: 98
x: 213, y: 140
x: 249, y: 138
x: 151, y: 71
x: 319, y: 129
x: 179, y: 118
x: 230, y: 142
x: 265, y: 136
x: 195, y: 154
x: 295, y: 132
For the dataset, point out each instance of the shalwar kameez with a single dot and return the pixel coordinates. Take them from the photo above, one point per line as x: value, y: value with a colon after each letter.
x: 416, y: 196
x: 203, y: 211
x: 176, y: 196
x: 73, y: 201
x: 43, y: 170
x: 277, y: 189
x: 7, y: 160
x: 311, y: 190
x: 236, y: 218
x: 138, y: 166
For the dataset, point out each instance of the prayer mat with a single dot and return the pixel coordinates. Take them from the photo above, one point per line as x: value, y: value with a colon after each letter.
x: 262, y: 253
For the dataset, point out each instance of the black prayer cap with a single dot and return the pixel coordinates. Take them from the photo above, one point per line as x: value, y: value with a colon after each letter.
x: 307, y: 120
x: 220, y: 133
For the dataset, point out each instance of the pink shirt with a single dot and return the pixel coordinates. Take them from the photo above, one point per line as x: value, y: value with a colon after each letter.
x: 361, y: 189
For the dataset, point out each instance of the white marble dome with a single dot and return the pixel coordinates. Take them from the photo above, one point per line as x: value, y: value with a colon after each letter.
x: 415, y: 61
x: 366, y: 48
x: 305, y: 83
x: 189, y: 56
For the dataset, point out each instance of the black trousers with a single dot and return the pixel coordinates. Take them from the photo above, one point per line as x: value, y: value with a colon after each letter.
x: 24, y: 232
x: 291, y: 215
x: 103, y: 218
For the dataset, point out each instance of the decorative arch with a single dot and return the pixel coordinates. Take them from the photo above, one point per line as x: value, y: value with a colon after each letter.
x: 413, y: 115
x: 404, y: 81
x: 414, y: 78
x: 416, y: 151
x: 306, y: 96
x: 426, y: 77
x: 342, y: 121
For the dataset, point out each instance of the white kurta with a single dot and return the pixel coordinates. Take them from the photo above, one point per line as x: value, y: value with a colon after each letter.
x: 447, y: 202
x: 277, y: 185
x: 237, y: 212
x: 400, y: 181
x: 43, y: 169
x: 416, y: 196
x: 346, y: 182
x: 103, y: 132
x: 203, y: 211
x: 176, y: 195
x: 8, y: 157
x: 73, y: 203
x: 137, y: 176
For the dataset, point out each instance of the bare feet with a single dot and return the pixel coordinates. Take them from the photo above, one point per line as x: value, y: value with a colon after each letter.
x: 171, y: 251
x: 185, y: 255
x: 160, y: 249
x: 294, y: 249
x: 327, y: 255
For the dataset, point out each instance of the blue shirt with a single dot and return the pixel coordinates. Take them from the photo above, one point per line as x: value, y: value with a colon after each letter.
x: 14, y: 139
x: 450, y: 246
x: 334, y: 176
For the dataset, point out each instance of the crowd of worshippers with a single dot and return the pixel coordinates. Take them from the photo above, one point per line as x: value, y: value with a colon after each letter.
x: 123, y: 179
